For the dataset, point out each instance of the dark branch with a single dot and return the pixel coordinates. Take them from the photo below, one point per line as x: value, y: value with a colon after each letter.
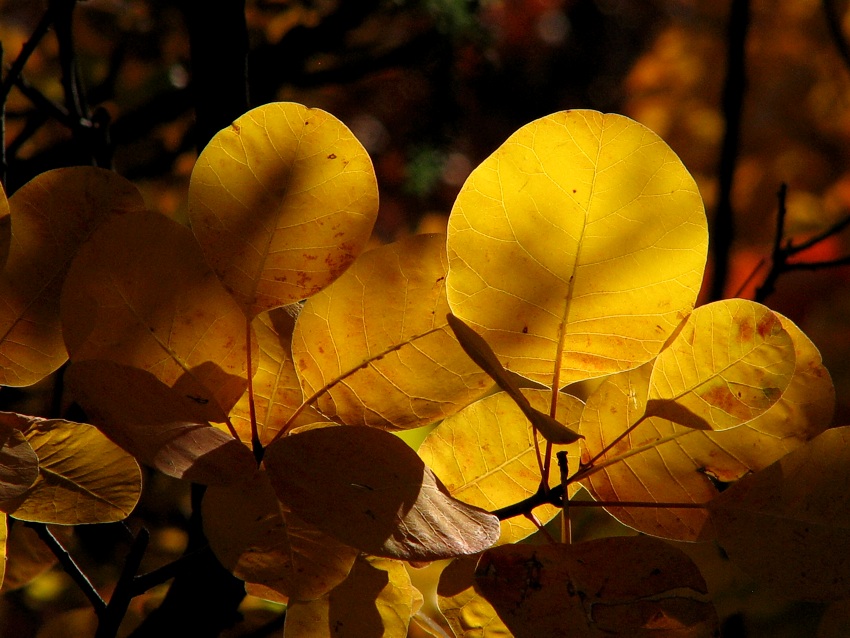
x: 833, y: 22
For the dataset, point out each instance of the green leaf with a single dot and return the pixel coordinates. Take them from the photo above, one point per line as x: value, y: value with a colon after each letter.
x: 385, y: 321
x: 577, y: 247
x: 485, y: 456
x: 368, y: 489
x: 83, y: 476
x: 52, y: 216
x: 140, y: 294
x: 156, y: 424
x: 632, y: 587
x: 787, y: 525
x: 282, y: 201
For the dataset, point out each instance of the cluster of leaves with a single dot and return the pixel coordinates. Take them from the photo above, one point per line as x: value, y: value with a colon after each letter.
x: 266, y: 354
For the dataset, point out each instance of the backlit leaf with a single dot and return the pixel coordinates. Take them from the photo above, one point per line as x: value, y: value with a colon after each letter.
x: 262, y: 545
x: 282, y: 201
x: 665, y: 462
x: 485, y: 456
x: 578, y: 246
x: 140, y: 294
x: 375, y: 600
x: 787, y: 525
x: 27, y: 555
x: 731, y: 361
x: 18, y: 461
x: 5, y: 228
x: 625, y: 586
x: 51, y: 216
x: 467, y: 612
x: 157, y: 424
x: 368, y: 489
x: 277, y: 392
x: 83, y: 476
x: 386, y: 319
x: 3, y: 555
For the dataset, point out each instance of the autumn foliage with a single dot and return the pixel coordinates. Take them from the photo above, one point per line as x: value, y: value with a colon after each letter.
x: 550, y: 338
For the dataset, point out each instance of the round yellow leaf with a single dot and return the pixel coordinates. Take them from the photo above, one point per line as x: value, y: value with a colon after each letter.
x: 282, y: 201
x: 577, y: 246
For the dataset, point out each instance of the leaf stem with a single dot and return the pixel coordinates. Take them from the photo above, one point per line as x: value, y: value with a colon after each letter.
x: 328, y: 386
x: 256, y: 445
x: 70, y: 566
x: 566, y: 523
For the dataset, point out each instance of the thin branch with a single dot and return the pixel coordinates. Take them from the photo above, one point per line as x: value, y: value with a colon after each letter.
x: 70, y: 566
x: 833, y: 22
x: 119, y: 602
x: 723, y: 232
x: 27, y: 50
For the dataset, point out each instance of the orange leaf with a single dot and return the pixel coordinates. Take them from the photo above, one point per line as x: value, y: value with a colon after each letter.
x: 368, y: 489
x: 51, y: 217
x: 139, y: 293
x: 156, y: 424
x: 18, y: 461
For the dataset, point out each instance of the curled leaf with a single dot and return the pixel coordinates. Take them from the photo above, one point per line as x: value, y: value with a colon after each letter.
x: 480, y: 352
x: 282, y: 201
x: 368, y: 489
x: 576, y: 247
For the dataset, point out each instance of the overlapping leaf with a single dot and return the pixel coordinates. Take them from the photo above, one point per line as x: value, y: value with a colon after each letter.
x: 83, y: 476
x: 18, y: 461
x: 27, y: 555
x: 485, y: 455
x: 140, y: 294
x: 279, y: 555
x: 660, y: 461
x: 386, y: 319
x: 731, y: 361
x: 577, y: 246
x: 277, y: 392
x: 625, y: 586
x: 467, y: 612
x: 788, y: 524
x: 51, y: 216
x: 156, y: 424
x: 376, y: 599
x: 282, y: 201
x: 368, y: 489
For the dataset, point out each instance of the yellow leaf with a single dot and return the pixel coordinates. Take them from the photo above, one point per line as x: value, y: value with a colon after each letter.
x: 467, y: 612
x: 664, y: 462
x: 375, y: 600
x: 368, y: 489
x: 140, y: 294
x: 83, y: 476
x: 18, y: 461
x: 51, y: 217
x: 156, y: 424
x: 277, y: 392
x: 385, y: 321
x: 787, y: 525
x: 4, y: 532
x: 5, y: 228
x: 576, y: 247
x: 27, y: 556
x: 634, y: 587
x: 282, y: 201
x: 260, y: 544
x: 729, y: 363
x: 485, y: 456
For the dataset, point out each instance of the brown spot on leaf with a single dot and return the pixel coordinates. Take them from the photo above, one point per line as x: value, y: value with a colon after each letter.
x: 525, y: 330
x: 768, y: 326
x: 236, y: 128
x: 332, y: 156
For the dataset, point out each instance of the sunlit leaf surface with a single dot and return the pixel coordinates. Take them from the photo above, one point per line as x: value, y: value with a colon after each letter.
x: 282, y: 201
x: 634, y: 587
x: 18, y: 461
x: 51, y: 216
x: 578, y: 245
x: 467, y: 612
x: 485, y: 456
x: 83, y: 476
x: 140, y: 294
x: 262, y: 545
x: 277, y: 392
x: 788, y: 524
x: 157, y: 424
x: 4, y: 532
x: 731, y: 361
x: 367, y: 488
x: 665, y: 462
x: 388, y: 311
x: 375, y: 600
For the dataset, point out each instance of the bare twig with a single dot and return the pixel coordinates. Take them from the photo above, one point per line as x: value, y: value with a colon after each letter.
x: 723, y: 234
x: 119, y: 602
x: 833, y: 22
